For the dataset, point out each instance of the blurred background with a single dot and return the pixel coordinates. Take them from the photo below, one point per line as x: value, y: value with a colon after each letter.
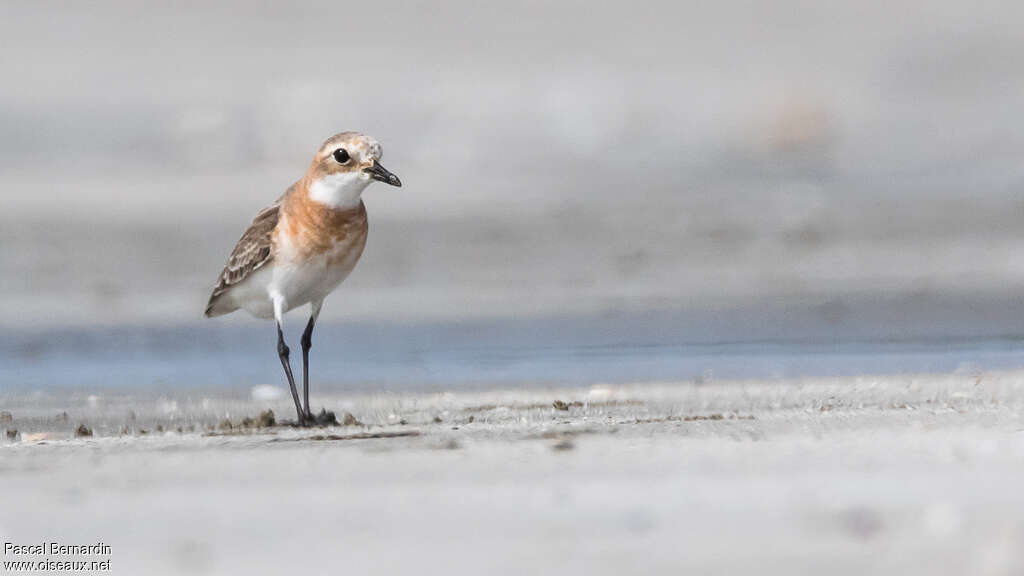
x: 578, y: 176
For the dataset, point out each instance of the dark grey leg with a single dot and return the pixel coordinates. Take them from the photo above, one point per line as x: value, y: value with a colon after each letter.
x: 282, y: 352
x: 307, y: 342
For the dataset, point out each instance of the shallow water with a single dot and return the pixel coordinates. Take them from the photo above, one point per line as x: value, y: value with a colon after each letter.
x: 231, y: 357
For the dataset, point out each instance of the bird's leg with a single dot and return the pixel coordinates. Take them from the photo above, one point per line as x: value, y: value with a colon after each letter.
x: 307, y: 342
x: 282, y: 353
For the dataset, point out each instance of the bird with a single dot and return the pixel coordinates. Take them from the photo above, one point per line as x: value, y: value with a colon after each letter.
x: 300, y: 248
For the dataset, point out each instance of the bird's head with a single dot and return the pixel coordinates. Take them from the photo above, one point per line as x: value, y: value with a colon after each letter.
x: 343, y: 167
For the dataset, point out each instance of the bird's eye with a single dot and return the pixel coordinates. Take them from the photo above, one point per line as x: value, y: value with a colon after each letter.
x: 341, y: 155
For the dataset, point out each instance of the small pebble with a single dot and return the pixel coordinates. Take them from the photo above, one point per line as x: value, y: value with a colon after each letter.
x: 563, y: 446
x: 266, y: 419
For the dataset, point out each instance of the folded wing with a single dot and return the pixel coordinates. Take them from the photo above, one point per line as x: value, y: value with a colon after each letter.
x: 252, y: 252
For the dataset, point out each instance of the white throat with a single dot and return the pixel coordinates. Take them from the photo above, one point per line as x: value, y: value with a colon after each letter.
x: 340, y: 191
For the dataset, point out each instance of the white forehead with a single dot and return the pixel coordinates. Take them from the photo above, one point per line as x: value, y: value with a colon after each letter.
x: 374, y: 150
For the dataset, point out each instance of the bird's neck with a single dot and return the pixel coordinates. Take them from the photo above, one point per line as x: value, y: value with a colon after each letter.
x: 340, y: 191
x: 318, y: 222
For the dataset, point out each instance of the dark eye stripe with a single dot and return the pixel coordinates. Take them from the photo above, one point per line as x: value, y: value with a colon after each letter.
x: 341, y: 155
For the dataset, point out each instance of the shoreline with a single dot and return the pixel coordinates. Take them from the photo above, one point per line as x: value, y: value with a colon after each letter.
x: 896, y: 474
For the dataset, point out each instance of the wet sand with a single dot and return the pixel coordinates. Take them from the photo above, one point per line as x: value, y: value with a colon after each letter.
x: 900, y: 474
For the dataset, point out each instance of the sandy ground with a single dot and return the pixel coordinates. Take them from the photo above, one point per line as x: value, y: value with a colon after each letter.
x: 897, y: 475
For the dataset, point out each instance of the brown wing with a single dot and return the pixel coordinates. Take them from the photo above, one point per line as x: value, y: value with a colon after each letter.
x: 251, y: 253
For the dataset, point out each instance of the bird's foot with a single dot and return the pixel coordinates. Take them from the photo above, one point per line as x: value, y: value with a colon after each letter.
x: 324, y: 418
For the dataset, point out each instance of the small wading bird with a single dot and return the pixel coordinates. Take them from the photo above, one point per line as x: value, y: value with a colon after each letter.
x: 300, y: 248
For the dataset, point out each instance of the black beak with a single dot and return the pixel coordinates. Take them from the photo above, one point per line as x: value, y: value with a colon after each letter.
x: 378, y: 172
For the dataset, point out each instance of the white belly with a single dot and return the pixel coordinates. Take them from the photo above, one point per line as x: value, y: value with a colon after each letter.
x: 297, y: 283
